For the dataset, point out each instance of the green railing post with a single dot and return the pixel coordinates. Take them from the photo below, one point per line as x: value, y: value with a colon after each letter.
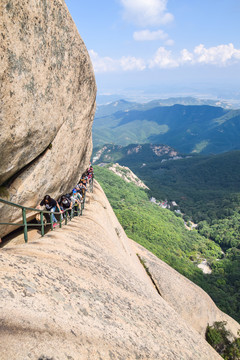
x: 84, y: 200
x: 51, y: 220
x: 42, y: 223
x: 25, y: 225
x: 60, y: 222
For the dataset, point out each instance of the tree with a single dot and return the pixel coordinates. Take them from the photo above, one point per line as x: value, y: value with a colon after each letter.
x: 220, y: 339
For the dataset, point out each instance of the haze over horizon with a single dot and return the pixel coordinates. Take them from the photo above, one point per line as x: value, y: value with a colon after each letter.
x: 158, y: 48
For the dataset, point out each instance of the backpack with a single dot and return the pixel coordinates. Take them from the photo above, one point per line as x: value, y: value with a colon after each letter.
x: 66, y: 203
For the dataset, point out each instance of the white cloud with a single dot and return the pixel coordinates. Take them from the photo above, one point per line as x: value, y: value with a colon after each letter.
x: 186, y: 56
x: 146, y: 12
x: 107, y: 64
x: 163, y: 59
x: 132, y: 63
x: 220, y: 55
x: 102, y: 64
x: 147, y: 35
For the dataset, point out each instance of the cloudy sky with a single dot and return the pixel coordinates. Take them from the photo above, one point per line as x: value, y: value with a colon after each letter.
x: 163, y: 47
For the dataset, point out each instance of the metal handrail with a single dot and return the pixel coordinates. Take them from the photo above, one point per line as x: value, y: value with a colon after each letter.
x: 42, y: 212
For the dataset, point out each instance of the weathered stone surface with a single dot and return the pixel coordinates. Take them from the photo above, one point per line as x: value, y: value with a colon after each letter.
x: 127, y: 175
x: 47, y: 96
x: 189, y: 300
x: 81, y: 293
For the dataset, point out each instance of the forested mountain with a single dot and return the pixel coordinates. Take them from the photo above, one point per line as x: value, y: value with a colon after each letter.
x: 163, y: 233
x: 206, y: 187
x: 134, y: 154
x: 189, y: 129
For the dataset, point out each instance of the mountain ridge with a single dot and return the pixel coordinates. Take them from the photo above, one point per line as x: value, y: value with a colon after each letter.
x: 187, y: 128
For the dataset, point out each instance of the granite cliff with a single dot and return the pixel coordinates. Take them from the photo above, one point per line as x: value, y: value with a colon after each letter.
x: 47, y: 106
x: 81, y: 293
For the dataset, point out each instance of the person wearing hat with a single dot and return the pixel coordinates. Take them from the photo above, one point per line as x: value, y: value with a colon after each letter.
x: 76, y: 198
x: 65, y: 204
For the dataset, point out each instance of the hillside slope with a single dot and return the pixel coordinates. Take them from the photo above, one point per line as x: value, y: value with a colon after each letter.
x: 81, y: 293
x: 196, y: 128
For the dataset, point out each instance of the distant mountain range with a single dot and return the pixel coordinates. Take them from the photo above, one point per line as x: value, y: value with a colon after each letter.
x: 188, y: 128
x: 234, y: 103
x: 123, y: 104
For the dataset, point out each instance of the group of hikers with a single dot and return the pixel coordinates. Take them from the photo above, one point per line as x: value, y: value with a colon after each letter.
x: 68, y: 202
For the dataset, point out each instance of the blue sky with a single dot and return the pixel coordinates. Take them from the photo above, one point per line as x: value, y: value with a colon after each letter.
x: 162, y: 47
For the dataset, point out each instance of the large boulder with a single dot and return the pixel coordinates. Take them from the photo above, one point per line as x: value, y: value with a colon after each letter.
x: 48, y: 93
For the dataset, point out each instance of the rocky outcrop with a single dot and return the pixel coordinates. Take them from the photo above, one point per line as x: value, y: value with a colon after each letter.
x: 81, y: 293
x: 48, y: 95
x: 127, y: 175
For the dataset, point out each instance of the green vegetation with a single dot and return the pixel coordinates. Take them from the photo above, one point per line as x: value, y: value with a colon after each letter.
x: 163, y: 233
x: 223, y: 341
x: 205, y: 187
x: 225, y: 232
x: 4, y: 192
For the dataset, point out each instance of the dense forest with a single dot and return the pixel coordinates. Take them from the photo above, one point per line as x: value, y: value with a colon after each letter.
x: 163, y: 233
x: 206, y: 187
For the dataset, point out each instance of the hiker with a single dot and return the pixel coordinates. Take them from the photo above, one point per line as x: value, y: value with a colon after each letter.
x: 76, y: 199
x: 90, y: 176
x: 65, y: 204
x: 82, y: 188
x: 50, y: 205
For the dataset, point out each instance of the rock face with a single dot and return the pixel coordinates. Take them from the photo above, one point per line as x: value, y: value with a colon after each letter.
x: 48, y: 96
x: 81, y: 293
x: 189, y: 300
x: 127, y: 175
